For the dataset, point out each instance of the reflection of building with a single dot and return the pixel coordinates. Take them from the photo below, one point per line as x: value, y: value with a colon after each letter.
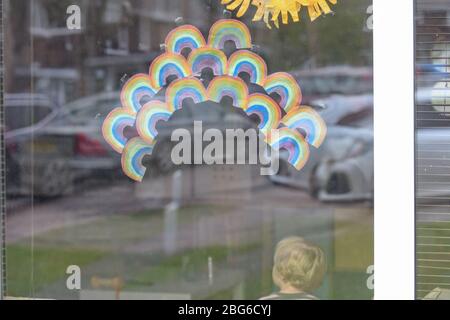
x: 117, y: 38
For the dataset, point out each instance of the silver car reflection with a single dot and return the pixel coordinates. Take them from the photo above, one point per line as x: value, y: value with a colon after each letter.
x: 342, y: 168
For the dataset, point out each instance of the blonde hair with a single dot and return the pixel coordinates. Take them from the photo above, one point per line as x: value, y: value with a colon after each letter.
x: 299, y: 264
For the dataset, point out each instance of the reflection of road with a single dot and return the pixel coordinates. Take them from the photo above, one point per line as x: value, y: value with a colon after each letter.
x: 34, y: 219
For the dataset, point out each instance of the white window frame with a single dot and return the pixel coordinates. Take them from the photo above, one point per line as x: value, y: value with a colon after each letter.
x: 394, y: 149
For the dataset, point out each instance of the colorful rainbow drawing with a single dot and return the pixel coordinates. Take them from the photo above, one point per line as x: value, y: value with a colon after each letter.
x: 145, y: 114
x: 292, y: 141
x: 229, y: 29
x: 308, y: 120
x: 147, y: 118
x: 166, y: 65
x: 247, y: 61
x: 182, y: 89
x: 267, y: 111
x: 234, y: 88
x: 133, y: 153
x: 208, y: 58
x: 114, y: 125
x: 136, y: 88
x: 182, y: 37
x: 286, y: 86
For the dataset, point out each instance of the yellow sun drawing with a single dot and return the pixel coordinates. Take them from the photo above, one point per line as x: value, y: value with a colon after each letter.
x: 271, y: 10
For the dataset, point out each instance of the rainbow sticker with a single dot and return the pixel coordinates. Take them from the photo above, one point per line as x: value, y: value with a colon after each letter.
x: 247, y: 61
x: 136, y: 88
x: 286, y: 86
x: 292, y: 141
x: 208, y: 58
x: 166, y: 65
x: 132, y: 156
x: 302, y: 126
x: 308, y: 120
x: 186, y: 36
x: 147, y: 118
x: 229, y: 29
x: 234, y: 88
x: 182, y: 89
x: 267, y: 111
x: 114, y: 125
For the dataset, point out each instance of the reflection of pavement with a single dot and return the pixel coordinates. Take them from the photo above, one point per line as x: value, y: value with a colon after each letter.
x: 240, y: 218
x: 244, y: 209
x: 22, y: 222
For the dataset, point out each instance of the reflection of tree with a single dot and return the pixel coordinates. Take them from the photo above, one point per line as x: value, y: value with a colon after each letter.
x: 16, y: 47
x: 337, y: 39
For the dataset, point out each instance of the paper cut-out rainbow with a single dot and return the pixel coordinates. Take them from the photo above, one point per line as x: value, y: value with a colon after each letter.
x: 299, y: 129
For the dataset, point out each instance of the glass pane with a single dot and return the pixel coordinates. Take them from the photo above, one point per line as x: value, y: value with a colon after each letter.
x: 136, y: 165
x: 433, y: 138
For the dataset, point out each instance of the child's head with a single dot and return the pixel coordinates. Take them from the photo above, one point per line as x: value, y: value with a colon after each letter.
x: 298, y: 264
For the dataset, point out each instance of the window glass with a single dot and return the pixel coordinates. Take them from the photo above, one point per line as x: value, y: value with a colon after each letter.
x: 143, y: 185
x: 432, y: 139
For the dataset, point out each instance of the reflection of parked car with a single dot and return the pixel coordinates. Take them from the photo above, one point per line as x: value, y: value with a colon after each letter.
x: 49, y: 155
x: 61, y: 146
x: 345, y: 80
x: 346, y: 172
x: 433, y: 105
x: 24, y: 115
x: 433, y: 155
x: 342, y: 168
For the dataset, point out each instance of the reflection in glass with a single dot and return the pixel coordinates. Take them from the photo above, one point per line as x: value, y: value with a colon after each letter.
x: 187, y: 231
